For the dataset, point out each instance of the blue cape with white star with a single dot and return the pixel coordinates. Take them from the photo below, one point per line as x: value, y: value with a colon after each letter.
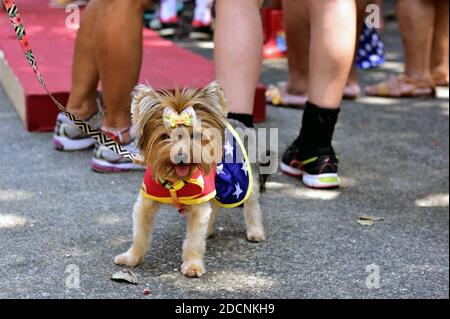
x: 370, y: 53
x: 234, y: 181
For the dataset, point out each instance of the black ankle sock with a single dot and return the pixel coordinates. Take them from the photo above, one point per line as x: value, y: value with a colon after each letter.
x: 246, y: 119
x: 317, y: 130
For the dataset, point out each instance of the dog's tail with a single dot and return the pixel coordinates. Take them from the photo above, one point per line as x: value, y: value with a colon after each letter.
x: 271, y: 158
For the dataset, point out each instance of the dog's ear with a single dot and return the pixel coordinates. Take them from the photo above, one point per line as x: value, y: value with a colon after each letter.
x: 143, y: 99
x: 216, y: 95
x: 211, y: 107
x: 215, y: 90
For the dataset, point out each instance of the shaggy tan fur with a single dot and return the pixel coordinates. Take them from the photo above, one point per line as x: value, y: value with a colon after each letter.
x: 156, y: 143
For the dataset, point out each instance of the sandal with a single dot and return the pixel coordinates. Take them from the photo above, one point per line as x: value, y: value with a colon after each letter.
x: 352, y: 91
x: 440, y: 79
x: 402, y: 86
x: 278, y: 95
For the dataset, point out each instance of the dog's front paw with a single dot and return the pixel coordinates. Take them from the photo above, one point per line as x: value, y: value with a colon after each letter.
x: 128, y: 259
x: 255, y: 235
x: 193, y: 269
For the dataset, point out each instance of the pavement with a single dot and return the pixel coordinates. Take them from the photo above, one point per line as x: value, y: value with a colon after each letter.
x: 58, y: 218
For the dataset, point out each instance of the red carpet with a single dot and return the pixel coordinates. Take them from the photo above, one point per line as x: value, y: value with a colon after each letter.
x: 165, y: 65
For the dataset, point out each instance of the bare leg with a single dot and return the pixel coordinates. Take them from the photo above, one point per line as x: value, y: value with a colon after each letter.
x: 253, y: 216
x: 416, y: 19
x: 143, y: 224
x: 333, y: 36
x: 439, y: 51
x: 297, y: 26
x: 84, y: 71
x: 276, y: 4
x: 194, y: 245
x: 238, y: 51
x: 332, y: 48
x: 118, y: 35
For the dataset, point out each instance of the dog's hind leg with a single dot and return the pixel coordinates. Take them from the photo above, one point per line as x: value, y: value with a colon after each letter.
x: 253, y: 216
x: 194, y: 245
x: 143, y: 223
x: 212, y: 220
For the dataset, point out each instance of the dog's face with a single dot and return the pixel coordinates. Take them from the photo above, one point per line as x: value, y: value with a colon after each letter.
x: 180, y: 131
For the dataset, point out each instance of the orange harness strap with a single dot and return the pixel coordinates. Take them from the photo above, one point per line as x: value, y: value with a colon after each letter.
x: 173, y: 194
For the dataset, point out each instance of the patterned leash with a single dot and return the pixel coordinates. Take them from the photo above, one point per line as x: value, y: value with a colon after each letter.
x: 98, y: 135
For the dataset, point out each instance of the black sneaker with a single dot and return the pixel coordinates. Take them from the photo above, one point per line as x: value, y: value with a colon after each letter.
x: 319, y: 171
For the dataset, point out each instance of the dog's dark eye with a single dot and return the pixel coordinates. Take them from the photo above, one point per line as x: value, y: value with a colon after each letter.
x: 165, y: 137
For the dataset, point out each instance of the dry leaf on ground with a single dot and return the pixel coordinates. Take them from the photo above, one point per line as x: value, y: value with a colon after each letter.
x: 369, y: 220
x: 126, y: 276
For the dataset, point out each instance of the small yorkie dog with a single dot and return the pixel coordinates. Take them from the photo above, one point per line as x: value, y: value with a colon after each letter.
x: 173, y: 128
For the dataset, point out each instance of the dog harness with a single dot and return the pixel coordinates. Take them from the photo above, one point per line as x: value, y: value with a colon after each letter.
x: 229, y: 186
x: 197, y: 190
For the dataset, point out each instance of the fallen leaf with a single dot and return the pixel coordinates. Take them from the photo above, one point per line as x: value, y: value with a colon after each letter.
x: 126, y: 276
x: 366, y: 222
x: 369, y: 220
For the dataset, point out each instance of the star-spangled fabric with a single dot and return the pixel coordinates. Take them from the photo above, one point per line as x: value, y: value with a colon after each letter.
x: 233, y: 174
x: 370, y: 53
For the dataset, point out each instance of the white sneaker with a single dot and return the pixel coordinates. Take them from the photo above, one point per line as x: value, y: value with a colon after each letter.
x: 107, y: 161
x: 68, y: 137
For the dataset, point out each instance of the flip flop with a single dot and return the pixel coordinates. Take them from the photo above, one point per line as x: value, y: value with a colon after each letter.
x: 441, y: 79
x: 402, y: 86
x: 352, y: 91
x: 277, y: 95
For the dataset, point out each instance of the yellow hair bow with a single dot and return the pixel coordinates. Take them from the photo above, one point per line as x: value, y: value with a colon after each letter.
x: 172, y: 119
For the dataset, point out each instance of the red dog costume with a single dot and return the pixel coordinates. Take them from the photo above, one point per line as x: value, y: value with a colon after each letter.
x: 199, y: 189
